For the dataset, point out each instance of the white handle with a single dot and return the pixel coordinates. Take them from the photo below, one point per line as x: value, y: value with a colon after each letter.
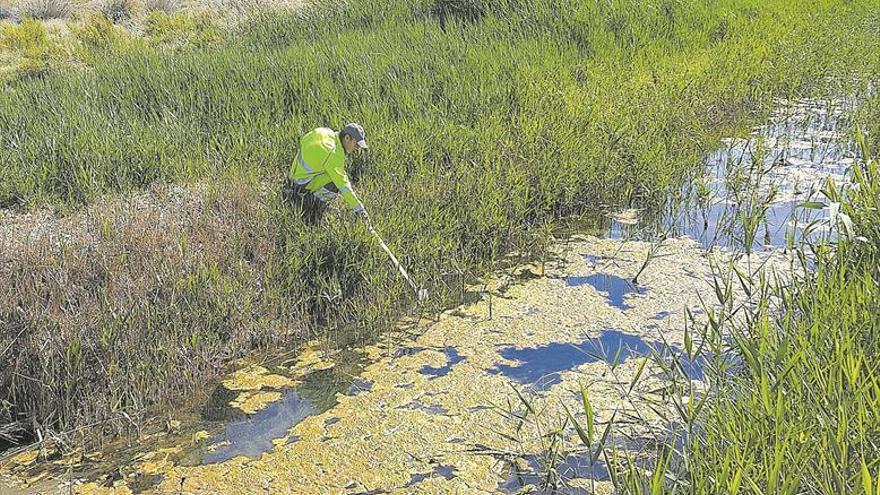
x: 394, y: 259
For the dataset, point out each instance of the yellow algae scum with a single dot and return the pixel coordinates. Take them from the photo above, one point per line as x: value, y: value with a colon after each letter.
x: 434, y: 419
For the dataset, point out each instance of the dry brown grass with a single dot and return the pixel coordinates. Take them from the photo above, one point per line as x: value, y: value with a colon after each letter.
x: 162, y: 5
x: 7, y: 10
x: 45, y: 9
x: 130, y: 303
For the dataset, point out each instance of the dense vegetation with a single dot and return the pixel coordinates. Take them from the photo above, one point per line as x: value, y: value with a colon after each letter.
x: 804, y: 415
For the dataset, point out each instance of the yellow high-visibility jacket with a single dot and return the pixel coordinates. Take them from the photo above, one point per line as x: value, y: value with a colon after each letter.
x: 320, y: 161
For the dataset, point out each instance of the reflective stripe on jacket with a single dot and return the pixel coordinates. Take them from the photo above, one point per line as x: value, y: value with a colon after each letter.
x: 320, y: 161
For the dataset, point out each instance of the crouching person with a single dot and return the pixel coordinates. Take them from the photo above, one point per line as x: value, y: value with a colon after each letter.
x: 317, y: 175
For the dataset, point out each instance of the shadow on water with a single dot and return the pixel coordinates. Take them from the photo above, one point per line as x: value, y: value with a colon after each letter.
x: 615, y: 287
x: 540, y: 367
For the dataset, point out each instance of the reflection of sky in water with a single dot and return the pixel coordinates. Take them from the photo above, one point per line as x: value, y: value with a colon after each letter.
x: 797, y: 152
x: 720, y: 221
x: 452, y: 358
x: 721, y: 225
x: 796, y: 157
x: 615, y: 287
x: 252, y: 436
x: 541, y: 366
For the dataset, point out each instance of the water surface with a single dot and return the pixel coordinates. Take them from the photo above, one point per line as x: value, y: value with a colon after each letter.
x: 540, y: 367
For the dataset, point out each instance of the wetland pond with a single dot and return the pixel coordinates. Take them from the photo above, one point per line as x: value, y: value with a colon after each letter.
x: 433, y: 410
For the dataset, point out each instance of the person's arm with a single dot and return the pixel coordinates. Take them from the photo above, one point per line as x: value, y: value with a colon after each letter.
x: 343, y: 184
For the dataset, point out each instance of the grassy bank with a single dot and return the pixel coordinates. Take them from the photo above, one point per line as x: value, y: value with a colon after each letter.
x: 486, y: 121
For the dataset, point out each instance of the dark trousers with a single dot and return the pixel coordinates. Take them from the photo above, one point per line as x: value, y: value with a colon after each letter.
x: 302, y: 201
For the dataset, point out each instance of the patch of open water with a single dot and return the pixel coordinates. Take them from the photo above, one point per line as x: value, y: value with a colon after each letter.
x: 541, y: 367
x: 253, y: 435
x: 781, y: 166
x: 452, y: 358
x: 615, y: 287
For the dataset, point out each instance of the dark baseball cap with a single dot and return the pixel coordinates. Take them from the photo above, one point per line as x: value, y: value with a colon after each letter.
x: 357, y: 133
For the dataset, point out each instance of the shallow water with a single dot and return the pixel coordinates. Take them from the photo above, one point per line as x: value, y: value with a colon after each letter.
x: 253, y: 435
x: 452, y: 358
x: 779, y: 167
x: 569, y: 468
x: 615, y: 287
x: 540, y: 367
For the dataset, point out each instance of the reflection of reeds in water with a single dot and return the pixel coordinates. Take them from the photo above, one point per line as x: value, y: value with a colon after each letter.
x: 752, y: 199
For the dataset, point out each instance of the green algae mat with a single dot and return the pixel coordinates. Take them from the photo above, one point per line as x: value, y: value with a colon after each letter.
x: 437, y: 408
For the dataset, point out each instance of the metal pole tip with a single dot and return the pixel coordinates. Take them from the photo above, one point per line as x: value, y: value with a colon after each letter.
x: 423, y: 295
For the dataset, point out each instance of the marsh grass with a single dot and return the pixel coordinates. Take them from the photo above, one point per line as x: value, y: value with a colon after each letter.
x: 484, y: 131
x: 801, y: 415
